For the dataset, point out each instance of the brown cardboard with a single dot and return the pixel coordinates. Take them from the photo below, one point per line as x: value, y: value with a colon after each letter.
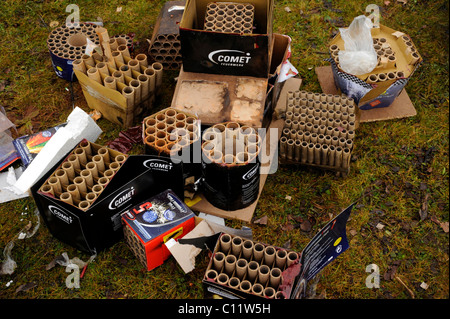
x: 401, y: 107
x: 219, y: 98
x: 199, y: 203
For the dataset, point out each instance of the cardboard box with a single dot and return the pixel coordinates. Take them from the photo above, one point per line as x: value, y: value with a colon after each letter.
x: 285, y: 271
x: 226, y: 53
x: 245, y: 99
x: 379, y: 94
x: 99, y: 227
x: 150, y: 224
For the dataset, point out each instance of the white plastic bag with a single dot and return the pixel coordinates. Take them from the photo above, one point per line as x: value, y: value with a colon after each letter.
x: 359, y: 56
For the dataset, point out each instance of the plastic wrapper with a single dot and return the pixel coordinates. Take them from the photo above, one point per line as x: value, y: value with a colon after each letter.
x: 359, y: 56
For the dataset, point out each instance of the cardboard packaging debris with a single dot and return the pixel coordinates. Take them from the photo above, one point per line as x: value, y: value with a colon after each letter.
x: 246, y: 269
x: 79, y: 126
x: 150, y: 224
x: 398, y: 60
x: 226, y: 53
x: 244, y: 99
x: 96, y: 225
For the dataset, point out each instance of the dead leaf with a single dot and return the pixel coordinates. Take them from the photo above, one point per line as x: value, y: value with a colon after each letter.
x: 423, y: 211
x: 392, y: 269
x: 288, y: 197
x: 287, y: 227
x: 386, y: 3
x: 444, y: 225
x: 54, y: 261
x: 305, y: 226
x: 261, y: 221
x: 287, y: 9
x: 402, y: 1
x: 26, y: 287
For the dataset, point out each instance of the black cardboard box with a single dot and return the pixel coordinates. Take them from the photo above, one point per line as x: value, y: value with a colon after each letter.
x: 212, y: 52
x: 99, y: 227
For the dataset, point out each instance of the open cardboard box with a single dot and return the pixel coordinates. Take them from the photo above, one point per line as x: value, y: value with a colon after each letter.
x: 99, y: 227
x: 219, y: 98
x: 226, y: 53
x: 199, y: 202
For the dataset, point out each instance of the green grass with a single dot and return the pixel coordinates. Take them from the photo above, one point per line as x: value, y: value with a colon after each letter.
x: 389, y: 172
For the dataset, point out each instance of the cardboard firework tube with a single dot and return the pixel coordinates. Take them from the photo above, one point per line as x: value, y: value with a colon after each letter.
x: 94, y: 74
x: 118, y: 58
x: 72, y: 189
x: 263, y: 274
x: 62, y: 176
x: 79, y: 65
x: 55, y: 183
x: 110, y: 82
x: 92, y: 167
x: 297, y: 150
x: 241, y: 268
x: 84, y: 205
x: 223, y: 279
x: 324, y: 155
x: 304, y: 152
x: 218, y: 261
x: 391, y: 75
x: 66, y: 197
x: 126, y: 71
x: 291, y: 258
x: 230, y: 264
x: 331, y: 155
x: 103, y: 68
x: 120, y: 159
x: 47, y: 189
x: 113, y: 44
x: 158, y: 67
x: 123, y: 49
x: 118, y: 76
x: 317, y: 151
x: 382, y: 77
x: 133, y: 64
x: 313, y: 138
x: 81, y: 184
x: 290, y: 149
x: 129, y: 93
x: 258, y: 252
x: 109, y: 173
x: 212, y: 275
x: 269, y: 255
x: 87, y: 175
x: 310, y: 155
x: 136, y: 85
x: 90, y: 197
x: 234, y: 282
x: 144, y: 80
x: 245, y: 286
x: 280, y: 258
x: 257, y: 289
x: 247, y: 249
x: 345, y: 157
x: 338, y: 157
x: 334, y: 140
x: 104, y: 152
x: 97, y: 189
x: 225, y: 243
x: 103, y: 181
x: 269, y: 292
x: 142, y: 59
x: 275, y: 277
x: 280, y: 295
x: 252, y: 271
x: 88, y: 61
x: 150, y: 72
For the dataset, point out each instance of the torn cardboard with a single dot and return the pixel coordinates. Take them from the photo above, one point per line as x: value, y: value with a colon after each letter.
x: 401, y: 107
